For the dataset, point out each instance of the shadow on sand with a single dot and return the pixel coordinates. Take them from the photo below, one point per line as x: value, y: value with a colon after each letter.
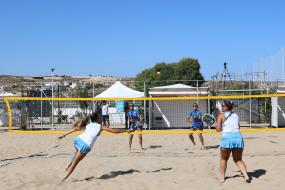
x: 162, y: 169
x: 212, y: 147
x: 40, y: 154
x: 254, y: 174
x: 155, y: 146
x: 114, y: 174
x: 257, y: 173
x: 118, y: 173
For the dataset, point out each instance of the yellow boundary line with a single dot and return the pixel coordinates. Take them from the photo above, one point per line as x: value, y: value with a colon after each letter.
x: 13, y: 98
x: 153, y: 132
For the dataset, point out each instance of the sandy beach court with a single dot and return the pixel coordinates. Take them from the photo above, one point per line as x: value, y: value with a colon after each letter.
x: 36, y: 161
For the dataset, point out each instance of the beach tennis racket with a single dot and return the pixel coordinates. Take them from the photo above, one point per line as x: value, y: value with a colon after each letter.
x: 209, y: 119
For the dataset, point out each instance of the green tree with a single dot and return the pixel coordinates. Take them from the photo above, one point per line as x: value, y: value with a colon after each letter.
x: 84, y: 105
x: 188, y: 69
x: 166, y: 74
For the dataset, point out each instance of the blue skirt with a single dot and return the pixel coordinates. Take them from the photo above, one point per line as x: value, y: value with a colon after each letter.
x: 232, y: 140
x: 81, y: 146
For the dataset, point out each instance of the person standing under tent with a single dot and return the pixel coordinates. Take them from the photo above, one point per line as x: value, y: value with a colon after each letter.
x: 231, y: 140
x: 105, y: 114
x: 195, y: 118
x: 134, y: 124
x: 84, y: 142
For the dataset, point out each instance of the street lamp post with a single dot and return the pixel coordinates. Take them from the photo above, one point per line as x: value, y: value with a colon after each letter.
x: 52, y: 122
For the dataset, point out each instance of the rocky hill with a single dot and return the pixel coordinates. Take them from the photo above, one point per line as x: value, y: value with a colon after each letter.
x: 20, y: 84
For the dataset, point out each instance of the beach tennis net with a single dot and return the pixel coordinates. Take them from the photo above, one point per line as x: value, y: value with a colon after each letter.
x: 155, y: 113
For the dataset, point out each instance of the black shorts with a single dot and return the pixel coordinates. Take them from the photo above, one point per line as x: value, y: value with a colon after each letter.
x: 105, y: 118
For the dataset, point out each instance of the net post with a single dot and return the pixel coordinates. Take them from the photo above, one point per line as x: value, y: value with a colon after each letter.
x: 144, y: 103
x: 6, y: 99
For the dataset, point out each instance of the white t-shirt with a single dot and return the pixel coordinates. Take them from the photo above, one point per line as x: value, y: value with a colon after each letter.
x: 105, y: 110
x: 231, y: 124
x: 91, y: 133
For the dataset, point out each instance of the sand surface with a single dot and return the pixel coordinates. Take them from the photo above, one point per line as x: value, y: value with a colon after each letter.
x: 36, y: 161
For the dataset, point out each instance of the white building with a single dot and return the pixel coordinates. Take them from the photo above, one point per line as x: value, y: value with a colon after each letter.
x: 278, y: 108
x: 173, y: 114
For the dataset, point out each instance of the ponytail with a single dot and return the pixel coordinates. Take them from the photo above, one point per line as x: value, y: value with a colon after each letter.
x: 81, y: 123
x: 85, y: 121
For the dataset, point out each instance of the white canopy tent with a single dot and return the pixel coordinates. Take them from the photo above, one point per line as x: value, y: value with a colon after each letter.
x: 178, y: 90
x: 118, y: 90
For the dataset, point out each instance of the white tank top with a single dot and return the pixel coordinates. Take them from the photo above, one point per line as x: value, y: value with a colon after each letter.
x: 231, y: 124
x: 91, y: 133
x: 105, y: 110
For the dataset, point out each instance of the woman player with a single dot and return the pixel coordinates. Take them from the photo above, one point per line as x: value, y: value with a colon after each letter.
x: 231, y: 140
x: 84, y: 142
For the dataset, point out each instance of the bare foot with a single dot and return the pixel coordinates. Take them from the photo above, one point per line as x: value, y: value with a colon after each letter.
x: 222, y: 180
x: 62, y: 180
x: 247, y: 179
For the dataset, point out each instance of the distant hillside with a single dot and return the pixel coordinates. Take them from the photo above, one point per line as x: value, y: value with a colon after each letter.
x: 22, y: 83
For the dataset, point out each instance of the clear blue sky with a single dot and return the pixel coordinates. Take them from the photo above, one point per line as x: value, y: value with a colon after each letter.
x: 123, y: 37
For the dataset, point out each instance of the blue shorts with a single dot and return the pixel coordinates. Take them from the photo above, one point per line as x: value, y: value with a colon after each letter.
x: 232, y: 140
x: 197, y: 125
x: 135, y: 125
x: 81, y: 146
